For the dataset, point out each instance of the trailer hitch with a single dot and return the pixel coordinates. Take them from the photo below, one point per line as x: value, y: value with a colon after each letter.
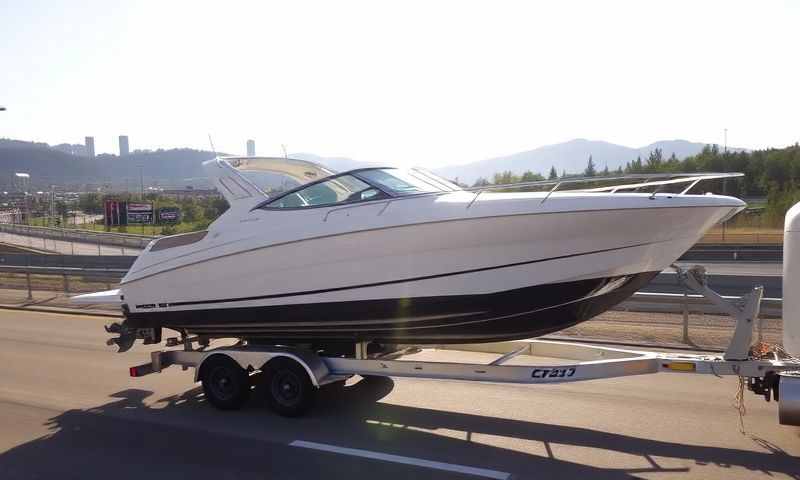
x: 768, y: 386
x: 127, y: 336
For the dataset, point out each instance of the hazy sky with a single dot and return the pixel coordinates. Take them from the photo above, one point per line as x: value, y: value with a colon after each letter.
x: 426, y: 83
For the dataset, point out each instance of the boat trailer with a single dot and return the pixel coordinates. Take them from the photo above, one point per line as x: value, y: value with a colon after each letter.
x: 292, y: 374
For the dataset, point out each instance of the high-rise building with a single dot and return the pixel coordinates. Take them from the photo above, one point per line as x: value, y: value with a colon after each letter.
x: 90, y: 147
x: 251, y: 148
x: 123, y: 145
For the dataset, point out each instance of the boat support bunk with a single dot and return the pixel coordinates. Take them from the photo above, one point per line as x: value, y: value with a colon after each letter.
x: 292, y: 374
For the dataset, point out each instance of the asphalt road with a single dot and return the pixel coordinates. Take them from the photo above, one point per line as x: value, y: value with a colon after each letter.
x: 69, y: 410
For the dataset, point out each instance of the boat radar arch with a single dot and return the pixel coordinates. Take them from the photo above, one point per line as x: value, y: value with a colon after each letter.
x: 232, y: 176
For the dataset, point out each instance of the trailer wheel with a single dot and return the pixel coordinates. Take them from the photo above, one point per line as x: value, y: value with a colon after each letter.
x: 225, y: 384
x: 289, y: 390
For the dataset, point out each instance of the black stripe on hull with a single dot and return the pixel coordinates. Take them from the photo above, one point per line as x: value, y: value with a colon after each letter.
x: 520, y: 313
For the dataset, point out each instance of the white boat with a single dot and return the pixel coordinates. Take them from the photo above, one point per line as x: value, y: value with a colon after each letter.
x: 403, y: 256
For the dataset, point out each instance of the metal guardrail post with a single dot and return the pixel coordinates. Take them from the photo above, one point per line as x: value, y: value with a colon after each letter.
x: 66, y: 283
x: 685, y: 315
x: 28, y: 276
x: 98, y: 245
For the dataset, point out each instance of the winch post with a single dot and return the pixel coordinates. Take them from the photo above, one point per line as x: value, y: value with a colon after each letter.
x: 745, y: 315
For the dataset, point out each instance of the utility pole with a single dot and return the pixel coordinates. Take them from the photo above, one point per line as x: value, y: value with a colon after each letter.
x: 141, y: 180
x: 726, y: 141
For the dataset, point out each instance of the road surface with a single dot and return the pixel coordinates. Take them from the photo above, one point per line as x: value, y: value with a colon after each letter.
x: 69, y: 410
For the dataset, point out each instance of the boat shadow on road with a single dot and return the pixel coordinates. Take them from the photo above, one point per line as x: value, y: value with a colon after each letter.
x: 181, y: 436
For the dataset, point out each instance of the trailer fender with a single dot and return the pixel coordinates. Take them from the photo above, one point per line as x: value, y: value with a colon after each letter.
x: 253, y: 361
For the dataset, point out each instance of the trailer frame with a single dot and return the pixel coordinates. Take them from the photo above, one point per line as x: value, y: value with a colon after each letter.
x: 777, y: 378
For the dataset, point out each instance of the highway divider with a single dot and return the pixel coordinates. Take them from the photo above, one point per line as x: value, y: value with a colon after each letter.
x: 124, y: 240
x: 111, y: 269
x: 701, y: 252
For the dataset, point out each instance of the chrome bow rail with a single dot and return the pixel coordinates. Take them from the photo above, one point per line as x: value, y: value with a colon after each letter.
x: 644, y: 181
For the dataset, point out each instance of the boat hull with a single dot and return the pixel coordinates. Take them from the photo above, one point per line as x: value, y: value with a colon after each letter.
x: 520, y: 313
x: 424, y: 270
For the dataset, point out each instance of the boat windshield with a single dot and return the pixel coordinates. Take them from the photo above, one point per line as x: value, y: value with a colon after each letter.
x: 340, y: 189
x: 407, y: 181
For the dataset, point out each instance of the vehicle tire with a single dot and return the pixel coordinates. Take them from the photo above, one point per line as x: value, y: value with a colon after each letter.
x: 288, y: 387
x: 225, y: 384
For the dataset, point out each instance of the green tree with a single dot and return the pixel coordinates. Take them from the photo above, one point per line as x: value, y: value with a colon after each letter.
x: 654, y: 160
x: 481, y: 182
x: 90, y: 203
x: 529, y: 176
x: 553, y: 174
x: 590, y: 168
x: 505, y: 178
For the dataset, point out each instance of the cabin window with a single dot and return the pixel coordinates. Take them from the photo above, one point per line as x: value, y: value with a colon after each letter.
x: 341, y: 189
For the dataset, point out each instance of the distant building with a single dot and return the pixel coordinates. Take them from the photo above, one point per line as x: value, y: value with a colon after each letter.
x: 123, y: 146
x: 89, y: 147
x: 251, y: 148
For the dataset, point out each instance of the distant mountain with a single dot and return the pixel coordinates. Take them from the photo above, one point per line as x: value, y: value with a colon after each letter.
x: 72, y: 149
x: 571, y: 156
x: 53, y: 166
x: 340, y: 164
x: 67, y: 165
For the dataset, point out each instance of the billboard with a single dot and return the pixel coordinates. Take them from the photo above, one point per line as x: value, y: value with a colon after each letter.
x: 169, y: 215
x: 139, y: 213
x: 115, y: 213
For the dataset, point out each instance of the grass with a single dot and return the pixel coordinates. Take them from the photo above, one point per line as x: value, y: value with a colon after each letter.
x: 150, y: 230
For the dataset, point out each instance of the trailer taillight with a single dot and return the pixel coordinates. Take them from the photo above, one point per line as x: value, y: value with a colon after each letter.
x: 141, y: 370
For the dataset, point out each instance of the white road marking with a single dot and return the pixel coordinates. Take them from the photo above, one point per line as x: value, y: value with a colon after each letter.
x: 450, y: 467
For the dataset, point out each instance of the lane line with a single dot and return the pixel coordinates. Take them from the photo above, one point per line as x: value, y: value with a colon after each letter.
x: 450, y: 467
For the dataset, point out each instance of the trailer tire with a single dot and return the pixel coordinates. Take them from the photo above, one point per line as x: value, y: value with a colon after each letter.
x: 226, y: 385
x: 288, y: 387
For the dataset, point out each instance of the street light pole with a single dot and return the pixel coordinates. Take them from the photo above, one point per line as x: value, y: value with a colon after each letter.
x: 141, y: 180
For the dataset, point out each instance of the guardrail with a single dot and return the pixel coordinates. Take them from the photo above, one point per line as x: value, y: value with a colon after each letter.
x: 121, y: 262
x: 680, y: 303
x: 640, y: 301
x: 731, y: 252
x: 648, y: 302
x: 123, y: 240
x: 99, y: 275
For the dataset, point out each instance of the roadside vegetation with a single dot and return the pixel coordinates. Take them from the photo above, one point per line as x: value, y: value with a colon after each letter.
x: 771, y: 184
x: 196, y: 214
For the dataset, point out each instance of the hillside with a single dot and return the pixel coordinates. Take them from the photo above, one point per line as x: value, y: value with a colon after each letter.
x: 570, y: 156
x: 181, y: 166
x: 51, y: 165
